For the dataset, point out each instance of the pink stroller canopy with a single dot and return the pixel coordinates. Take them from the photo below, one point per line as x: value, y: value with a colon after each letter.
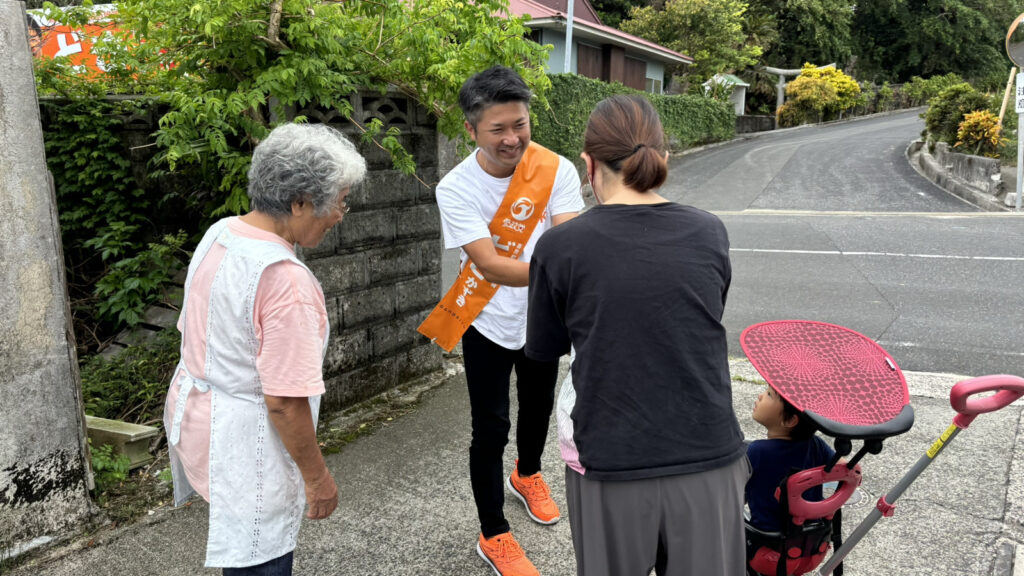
x: 842, y: 380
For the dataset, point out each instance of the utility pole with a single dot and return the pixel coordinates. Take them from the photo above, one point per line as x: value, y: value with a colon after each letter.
x: 568, y: 34
x: 43, y: 472
x: 1015, y: 50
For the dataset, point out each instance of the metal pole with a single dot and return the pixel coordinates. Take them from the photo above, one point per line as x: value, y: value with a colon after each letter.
x: 1020, y: 146
x: 568, y: 34
x: 890, y: 498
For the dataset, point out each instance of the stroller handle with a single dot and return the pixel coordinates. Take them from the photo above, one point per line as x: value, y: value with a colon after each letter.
x: 1007, y: 389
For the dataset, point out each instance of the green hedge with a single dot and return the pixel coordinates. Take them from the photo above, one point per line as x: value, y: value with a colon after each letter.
x: 688, y: 120
x: 946, y: 111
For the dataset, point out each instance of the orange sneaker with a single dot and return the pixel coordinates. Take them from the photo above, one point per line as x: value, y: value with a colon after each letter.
x: 536, y: 496
x: 505, y: 556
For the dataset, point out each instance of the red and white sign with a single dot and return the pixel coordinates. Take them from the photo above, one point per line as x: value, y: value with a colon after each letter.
x: 52, y: 39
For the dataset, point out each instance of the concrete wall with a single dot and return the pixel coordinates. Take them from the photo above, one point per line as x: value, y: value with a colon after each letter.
x: 969, y: 177
x: 980, y: 172
x: 43, y: 476
x: 749, y: 123
x: 381, y: 267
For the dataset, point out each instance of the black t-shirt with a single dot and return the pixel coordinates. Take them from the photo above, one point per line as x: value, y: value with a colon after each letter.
x: 639, y: 292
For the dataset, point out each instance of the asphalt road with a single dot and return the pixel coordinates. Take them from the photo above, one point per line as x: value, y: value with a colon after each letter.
x: 831, y: 223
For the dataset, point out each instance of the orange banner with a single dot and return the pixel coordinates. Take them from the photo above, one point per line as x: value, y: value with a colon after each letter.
x: 51, y: 39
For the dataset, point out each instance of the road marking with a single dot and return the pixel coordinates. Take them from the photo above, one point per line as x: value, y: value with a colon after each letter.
x: 887, y: 254
x: 885, y: 343
x: 937, y: 215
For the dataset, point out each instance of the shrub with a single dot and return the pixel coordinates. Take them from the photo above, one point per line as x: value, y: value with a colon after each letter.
x: 817, y: 95
x: 806, y: 99
x: 108, y: 467
x: 919, y: 91
x: 886, y: 98
x: 131, y: 386
x: 846, y: 88
x: 113, y: 219
x: 979, y: 134
x: 688, y: 120
x: 947, y: 110
x: 135, y: 282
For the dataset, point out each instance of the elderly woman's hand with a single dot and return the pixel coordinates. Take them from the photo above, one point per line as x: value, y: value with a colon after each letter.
x: 322, y: 496
x: 293, y: 420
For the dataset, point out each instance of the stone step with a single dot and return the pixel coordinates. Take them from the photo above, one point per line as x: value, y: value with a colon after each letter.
x: 132, y: 440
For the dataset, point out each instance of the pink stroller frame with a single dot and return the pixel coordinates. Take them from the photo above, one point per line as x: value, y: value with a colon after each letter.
x: 851, y: 389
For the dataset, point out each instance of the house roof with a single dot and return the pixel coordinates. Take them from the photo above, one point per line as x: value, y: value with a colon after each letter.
x: 582, y: 9
x: 586, y: 28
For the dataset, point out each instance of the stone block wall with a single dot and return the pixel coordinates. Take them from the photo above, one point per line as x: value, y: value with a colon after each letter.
x: 381, y: 267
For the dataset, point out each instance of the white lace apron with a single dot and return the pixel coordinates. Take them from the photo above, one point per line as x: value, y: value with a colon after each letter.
x: 256, y: 490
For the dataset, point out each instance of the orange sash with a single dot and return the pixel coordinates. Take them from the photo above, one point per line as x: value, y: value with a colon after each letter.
x: 513, y: 224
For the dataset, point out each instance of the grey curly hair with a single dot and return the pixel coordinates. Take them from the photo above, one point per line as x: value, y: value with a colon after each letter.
x: 311, y: 162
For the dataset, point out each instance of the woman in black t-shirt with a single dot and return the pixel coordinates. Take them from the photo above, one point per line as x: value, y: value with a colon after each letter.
x: 636, y: 286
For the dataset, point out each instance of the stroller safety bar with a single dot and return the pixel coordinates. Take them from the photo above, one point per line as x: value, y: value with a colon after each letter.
x: 963, y: 398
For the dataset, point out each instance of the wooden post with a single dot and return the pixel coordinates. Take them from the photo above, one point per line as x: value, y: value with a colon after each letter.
x: 1006, y: 95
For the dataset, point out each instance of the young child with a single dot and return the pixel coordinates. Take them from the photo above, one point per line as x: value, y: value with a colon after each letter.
x: 791, y: 445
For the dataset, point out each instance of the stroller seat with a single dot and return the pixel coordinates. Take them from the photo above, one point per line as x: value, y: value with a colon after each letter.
x: 810, y: 526
x: 850, y: 389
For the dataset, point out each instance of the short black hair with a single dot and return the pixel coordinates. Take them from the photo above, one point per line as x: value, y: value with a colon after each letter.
x: 496, y: 85
x: 33, y: 25
x: 804, y: 428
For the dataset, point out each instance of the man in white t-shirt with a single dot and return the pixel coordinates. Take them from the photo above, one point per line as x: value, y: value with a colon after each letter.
x: 496, y: 105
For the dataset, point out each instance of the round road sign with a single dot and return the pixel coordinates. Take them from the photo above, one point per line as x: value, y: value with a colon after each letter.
x: 1015, y: 42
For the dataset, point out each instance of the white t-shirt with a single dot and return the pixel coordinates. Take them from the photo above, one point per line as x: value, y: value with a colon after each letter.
x: 468, y: 198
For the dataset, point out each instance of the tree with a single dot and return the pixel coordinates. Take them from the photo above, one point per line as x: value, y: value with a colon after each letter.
x: 709, y: 31
x: 225, y: 73
x: 808, y: 31
x: 233, y: 68
x: 613, y: 12
x: 897, y: 39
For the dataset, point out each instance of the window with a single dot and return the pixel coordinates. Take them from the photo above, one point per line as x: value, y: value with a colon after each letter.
x: 653, y: 86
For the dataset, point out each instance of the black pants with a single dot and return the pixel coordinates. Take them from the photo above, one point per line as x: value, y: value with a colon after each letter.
x: 488, y: 367
x: 280, y: 566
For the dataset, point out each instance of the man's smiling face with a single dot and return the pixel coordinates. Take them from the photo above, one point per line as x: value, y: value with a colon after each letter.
x: 502, y: 134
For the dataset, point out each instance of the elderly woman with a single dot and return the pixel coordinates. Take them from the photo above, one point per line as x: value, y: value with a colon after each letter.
x: 242, y: 407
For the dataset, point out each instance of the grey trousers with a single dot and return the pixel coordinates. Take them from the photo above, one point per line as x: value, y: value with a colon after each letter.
x: 686, y: 525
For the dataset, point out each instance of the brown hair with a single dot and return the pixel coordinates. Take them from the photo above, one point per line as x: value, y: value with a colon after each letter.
x: 625, y: 134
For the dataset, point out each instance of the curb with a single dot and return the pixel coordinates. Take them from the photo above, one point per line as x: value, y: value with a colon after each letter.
x: 926, y: 165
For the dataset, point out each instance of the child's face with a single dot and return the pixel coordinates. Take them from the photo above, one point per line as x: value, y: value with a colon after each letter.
x: 768, y: 409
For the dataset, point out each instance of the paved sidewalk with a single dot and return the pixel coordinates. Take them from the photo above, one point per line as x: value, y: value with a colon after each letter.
x: 406, y: 506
